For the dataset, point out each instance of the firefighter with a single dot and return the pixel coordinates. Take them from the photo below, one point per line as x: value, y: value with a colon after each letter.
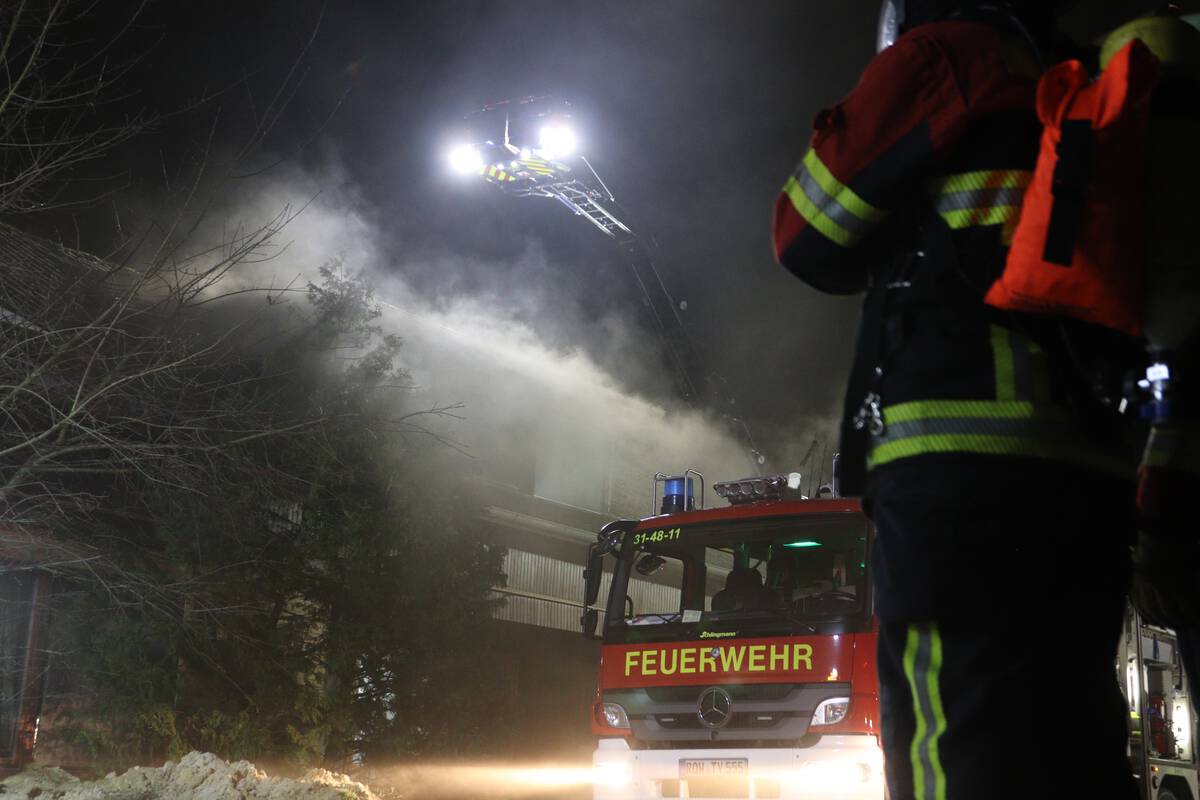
x: 1166, y: 586
x: 997, y: 475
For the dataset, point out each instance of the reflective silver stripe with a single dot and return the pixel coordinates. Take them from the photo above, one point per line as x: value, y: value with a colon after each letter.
x: 981, y: 198
x: 925, y: 707
x: 987, y: 427
x: 923, y: 663
x: 829, y: 206
x: 1047, y: 428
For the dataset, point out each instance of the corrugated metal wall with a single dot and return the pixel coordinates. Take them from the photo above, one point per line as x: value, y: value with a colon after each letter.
x: 557, y: 587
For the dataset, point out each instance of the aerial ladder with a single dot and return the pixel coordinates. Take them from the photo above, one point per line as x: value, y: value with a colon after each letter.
x: 534, y: 158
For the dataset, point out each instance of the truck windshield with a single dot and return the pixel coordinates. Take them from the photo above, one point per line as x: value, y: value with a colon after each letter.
x: 799, y: 574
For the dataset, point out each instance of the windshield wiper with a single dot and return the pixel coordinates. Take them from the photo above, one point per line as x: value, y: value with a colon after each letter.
x: 836, y: 594
x: 796, y: 619
x: 640, y: 618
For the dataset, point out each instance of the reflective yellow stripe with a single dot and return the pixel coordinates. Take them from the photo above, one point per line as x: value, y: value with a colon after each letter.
x: 807, y: 209
x: 843, y: 194
x: 986, y: 427
x: 830, y: 206
x: 922, y: 667
x: 968, y: 409
x: 911, y: 644
x: 981, y: 198
x: 497, y: 174
x: 1002, y: 355
x: 983, y: 179
x: 939, y: 713
x: 980, y: 217
x: 989, y: 445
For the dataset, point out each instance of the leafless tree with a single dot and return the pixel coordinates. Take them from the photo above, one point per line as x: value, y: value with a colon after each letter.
x: 148, y: 395
x: 52, y: 88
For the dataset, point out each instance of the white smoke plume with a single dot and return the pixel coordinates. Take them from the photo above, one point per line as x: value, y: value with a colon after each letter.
x: 539, y: 411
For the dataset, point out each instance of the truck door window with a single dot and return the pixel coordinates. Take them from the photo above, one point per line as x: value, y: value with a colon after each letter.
x: 654, y: 598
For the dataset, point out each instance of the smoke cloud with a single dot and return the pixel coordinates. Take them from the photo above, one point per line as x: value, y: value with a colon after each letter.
x: 550, y: 405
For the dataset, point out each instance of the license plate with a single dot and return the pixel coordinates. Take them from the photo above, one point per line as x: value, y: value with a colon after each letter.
x: 712, y: 767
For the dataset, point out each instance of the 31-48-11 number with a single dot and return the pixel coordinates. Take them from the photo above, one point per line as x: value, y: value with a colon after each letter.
x: 660, y: 535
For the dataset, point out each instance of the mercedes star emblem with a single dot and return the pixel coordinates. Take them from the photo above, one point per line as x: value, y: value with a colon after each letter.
x: 715, y: 707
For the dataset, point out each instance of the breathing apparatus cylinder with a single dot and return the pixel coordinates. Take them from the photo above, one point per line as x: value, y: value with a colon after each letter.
x: 1172, y: 286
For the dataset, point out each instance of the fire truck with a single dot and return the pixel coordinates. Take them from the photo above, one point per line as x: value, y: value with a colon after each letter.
x: 738, y: 654
x: 1162, y: 722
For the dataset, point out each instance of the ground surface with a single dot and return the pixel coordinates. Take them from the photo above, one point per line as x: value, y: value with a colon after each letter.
x: 197, y: 776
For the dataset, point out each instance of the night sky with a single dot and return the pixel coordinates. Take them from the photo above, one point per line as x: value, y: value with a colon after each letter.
x: 693, y: 113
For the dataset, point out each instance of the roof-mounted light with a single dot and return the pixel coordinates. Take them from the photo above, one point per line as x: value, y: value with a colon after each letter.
x: 768, y: 487
x: 466, y: 159
x: 678, y: 492
x: 556, y: 141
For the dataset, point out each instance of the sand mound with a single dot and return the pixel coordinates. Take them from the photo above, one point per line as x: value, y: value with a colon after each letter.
x: 197, y: 776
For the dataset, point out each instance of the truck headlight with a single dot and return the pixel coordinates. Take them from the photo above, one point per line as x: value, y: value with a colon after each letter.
x: 831, y: 711
x: 613, y: 774
x: 832, y: 776
x: 614, y: 715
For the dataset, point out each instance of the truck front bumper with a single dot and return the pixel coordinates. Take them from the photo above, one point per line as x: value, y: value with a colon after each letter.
x: 842, y: 767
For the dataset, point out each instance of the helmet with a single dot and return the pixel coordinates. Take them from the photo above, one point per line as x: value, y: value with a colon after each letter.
x: 1174, y: 41
x: 899, y: 16
x: 891, y: 17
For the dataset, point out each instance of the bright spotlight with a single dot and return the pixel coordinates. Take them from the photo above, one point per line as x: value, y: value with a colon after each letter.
x: 465, y: 159
x: 613, y: 775
x: 556, y: 141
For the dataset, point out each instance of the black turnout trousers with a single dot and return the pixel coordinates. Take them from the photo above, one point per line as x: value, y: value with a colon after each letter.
x: 999, y: 623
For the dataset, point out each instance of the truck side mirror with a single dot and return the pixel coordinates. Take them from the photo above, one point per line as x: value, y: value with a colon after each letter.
x: 650, y: 564
x: 608, y: 541
x: 588, y: 622
x: 592, y: 574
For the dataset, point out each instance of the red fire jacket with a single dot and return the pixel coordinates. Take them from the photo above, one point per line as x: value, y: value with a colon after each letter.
x: 915, y: 182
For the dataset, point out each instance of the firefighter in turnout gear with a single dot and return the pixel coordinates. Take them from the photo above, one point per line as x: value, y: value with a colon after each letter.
x: 998, y: 479
x: 1166, y: 587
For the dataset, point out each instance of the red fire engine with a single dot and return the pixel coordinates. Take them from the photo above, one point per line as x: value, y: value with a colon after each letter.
x: 738, y: 655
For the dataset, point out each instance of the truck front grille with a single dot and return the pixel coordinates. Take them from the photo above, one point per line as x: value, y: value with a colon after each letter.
x: 768, y: 711
x: 746, y: 719
x: 746, y: 691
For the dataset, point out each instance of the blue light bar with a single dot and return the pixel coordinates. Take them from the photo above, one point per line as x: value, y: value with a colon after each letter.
x: 674, y: 498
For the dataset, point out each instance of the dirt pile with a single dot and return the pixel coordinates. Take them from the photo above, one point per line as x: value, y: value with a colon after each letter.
x: 197, y: 776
